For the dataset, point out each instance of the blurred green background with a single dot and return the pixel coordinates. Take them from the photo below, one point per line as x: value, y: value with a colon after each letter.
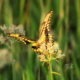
x: 19, y: 62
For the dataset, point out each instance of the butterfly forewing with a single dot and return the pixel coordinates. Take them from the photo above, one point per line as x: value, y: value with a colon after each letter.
x: 20, y: 38
x: 45, y: 32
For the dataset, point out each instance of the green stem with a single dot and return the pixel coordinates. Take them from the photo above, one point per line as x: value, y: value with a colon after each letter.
x: 50, y: 70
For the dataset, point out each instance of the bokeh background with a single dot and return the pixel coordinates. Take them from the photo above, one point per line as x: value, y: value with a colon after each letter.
x: 18, y: 61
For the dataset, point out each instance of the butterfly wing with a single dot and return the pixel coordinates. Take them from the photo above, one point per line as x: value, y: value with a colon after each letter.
x: 20, y: 38
x: 45, y: 33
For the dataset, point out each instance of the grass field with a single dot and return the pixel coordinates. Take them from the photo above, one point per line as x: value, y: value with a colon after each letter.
x: 18, y: 61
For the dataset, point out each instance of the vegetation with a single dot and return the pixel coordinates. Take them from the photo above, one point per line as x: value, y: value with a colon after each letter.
x: 18, y: 61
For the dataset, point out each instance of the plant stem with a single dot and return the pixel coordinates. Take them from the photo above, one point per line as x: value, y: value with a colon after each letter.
x: 50, y: 70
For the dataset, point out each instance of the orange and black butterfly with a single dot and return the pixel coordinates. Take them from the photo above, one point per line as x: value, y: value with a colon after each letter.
x: 45, y: 43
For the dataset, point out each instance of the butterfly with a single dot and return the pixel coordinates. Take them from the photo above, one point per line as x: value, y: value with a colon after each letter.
x: 46, y: 43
